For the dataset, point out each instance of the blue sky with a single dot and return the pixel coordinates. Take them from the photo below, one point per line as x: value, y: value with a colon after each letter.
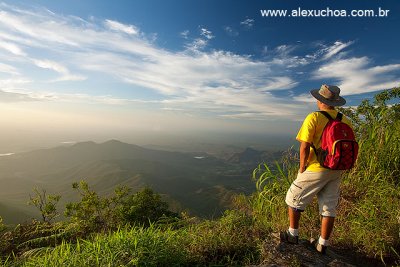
x: 75, y: 69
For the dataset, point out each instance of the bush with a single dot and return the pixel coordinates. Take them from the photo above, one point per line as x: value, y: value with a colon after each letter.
x: 45, y: 203
x: 143, y: 208
x: 96, y: 213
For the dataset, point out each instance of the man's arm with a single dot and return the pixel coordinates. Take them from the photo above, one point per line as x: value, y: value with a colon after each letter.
x: 304, y: 153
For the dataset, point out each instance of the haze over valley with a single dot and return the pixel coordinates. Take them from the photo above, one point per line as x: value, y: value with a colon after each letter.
x: 197, y: 182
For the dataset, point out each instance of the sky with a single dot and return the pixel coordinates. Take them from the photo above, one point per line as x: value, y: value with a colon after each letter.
x: 143, y: 71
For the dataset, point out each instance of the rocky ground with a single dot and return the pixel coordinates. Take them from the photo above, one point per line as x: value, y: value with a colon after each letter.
x: 278, y: 254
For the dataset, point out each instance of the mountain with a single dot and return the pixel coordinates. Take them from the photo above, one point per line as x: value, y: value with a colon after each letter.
x: 197, y: 182
x: 253, y: 157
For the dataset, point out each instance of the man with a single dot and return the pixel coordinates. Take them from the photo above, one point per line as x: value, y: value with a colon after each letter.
x: 313, y: 179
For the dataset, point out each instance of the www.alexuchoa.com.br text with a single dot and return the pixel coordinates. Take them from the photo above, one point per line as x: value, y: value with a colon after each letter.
x: 327, y: 12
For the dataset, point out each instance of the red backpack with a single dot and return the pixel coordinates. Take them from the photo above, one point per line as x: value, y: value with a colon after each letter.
x: 339, y: 148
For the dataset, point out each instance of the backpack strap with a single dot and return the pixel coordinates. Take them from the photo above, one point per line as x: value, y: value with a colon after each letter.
x: 339, y: 117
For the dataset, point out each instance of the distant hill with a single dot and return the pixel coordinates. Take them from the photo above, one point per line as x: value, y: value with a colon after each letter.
x: 253, y: 157
x: 13, y: 214
x: 196, y: 182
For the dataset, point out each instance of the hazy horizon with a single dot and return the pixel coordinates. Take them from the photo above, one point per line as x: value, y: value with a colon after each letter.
x: 198, y: 143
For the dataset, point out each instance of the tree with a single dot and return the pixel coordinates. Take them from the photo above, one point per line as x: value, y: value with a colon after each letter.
x: 2, y: 226
x: 144, y: 207
x: 96, y: 213
x: 92, y: 210
x: 45, y: 203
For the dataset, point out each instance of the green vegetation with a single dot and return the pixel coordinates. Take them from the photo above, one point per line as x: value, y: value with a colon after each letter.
x: 127, y: 229
x: 45, y: 203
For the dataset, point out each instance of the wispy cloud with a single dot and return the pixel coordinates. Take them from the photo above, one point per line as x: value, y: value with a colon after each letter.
x: 248, y: 23
x: 117, y: 26
x: 5, y: 68
x: 11, y: 97
x: 357, y: 76
x: 206, y: 33
x: 335, y: 49
x: 13, y: 48
x: 231, y: 31
x: 65, y: 73
x: 184, y: 34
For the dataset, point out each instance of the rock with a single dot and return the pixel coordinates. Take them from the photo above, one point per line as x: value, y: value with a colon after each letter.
x: 276, y: 253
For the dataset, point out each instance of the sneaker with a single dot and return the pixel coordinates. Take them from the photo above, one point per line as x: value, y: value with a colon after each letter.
x: 287, y: 237
x: 320, y: 248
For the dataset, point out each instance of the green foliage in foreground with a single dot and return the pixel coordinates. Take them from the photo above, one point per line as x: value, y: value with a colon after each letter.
x: 220, y: 242
x: 45, y: 203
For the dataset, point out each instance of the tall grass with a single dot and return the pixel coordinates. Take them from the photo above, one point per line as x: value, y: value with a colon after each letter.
x: 126, y: 247
x: 229, y: 241
x: 268, y: 204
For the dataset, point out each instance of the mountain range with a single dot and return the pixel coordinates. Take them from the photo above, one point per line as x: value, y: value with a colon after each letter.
x: 197, y: 182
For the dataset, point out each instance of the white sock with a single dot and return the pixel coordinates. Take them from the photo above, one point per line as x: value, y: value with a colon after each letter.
x: 294, y: 232
x: 323, y: 242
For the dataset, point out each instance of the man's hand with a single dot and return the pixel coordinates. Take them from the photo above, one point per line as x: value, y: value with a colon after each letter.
x: 302, y: 169
x: 304, y: 153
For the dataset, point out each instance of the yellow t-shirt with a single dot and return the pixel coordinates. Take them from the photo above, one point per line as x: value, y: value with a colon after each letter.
x: 311, y: 132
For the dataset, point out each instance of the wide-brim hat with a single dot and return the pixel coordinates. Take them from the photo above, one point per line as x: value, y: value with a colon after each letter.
x: 329, y: 95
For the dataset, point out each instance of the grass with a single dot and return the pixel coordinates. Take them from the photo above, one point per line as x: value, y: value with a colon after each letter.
x: 210, y: 242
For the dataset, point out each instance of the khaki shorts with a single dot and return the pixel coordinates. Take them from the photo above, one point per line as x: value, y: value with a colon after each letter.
x: 325, y: 185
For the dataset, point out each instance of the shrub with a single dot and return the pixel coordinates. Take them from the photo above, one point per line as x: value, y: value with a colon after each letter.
x: 143, y: 208
x: 96, y: 213
x: 45, y: 203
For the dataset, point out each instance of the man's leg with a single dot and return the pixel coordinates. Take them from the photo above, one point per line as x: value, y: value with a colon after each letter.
x: 327, y: 226
x: 328, y: 199
x: 294, y: 218
x: 292, y: 234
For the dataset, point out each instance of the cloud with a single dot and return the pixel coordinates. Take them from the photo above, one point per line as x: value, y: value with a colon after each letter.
x: 4, y: 68
x: 13, y: 83
x: 206, y: 33
x: 200, y: 43
x: 65, y: 73
x: 13, y: 48
x: 185, y: 34
x: 197, y: 45
x: 248, y: 23
x: 117, y: 26
x: 264, y: 50
x: 231, y: 31
x: 335, y: 49
x: 283, y: 56
x: 11, y: 97
x: 356, y: 75
x: 48, y: 64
